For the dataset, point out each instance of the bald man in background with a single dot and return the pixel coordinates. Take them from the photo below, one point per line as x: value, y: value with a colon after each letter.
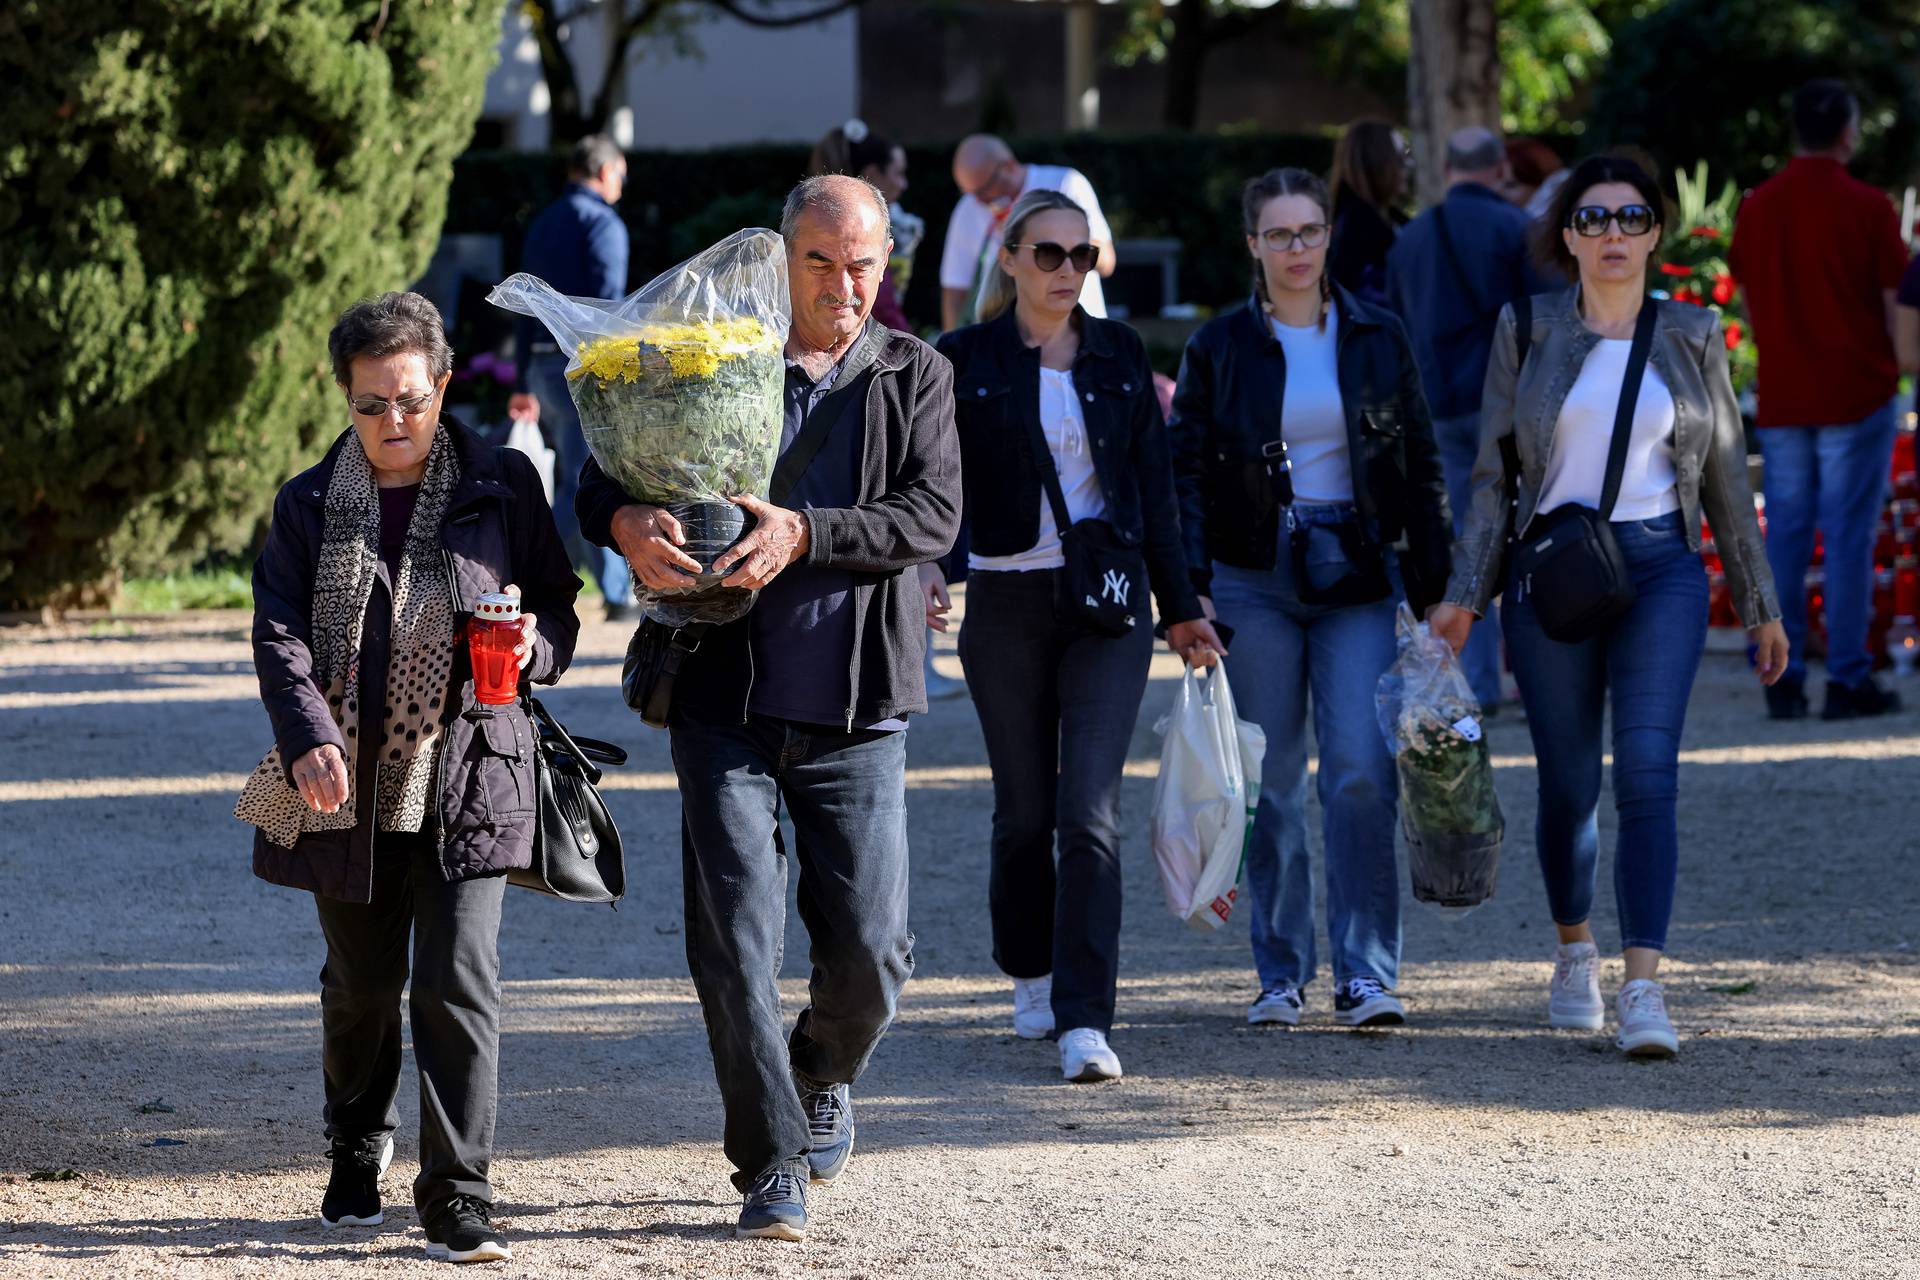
x: 990, y: 179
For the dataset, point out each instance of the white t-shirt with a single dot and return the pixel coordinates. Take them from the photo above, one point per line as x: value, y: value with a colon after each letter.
x: 1313, y: 418
x: 973, y: 227
x: 1065, y: 427
x: 1578, y: 466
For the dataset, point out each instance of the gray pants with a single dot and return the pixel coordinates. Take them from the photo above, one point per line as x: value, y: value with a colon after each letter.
x: 455, y: 1009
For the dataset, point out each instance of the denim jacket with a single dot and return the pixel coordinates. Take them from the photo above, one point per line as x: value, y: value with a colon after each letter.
x: 1709, y: 444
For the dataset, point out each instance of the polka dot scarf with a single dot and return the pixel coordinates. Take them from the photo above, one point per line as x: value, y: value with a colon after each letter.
x: 418, y: 668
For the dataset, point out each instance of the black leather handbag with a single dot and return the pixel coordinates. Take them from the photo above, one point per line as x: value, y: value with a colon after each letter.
x: 576, y: 846
x: 1568, y: 565
x: 1095, y: 591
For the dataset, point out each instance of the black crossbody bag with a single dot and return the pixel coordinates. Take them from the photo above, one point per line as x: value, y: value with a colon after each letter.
x: 1569, y: 561
x: 1094, y: 592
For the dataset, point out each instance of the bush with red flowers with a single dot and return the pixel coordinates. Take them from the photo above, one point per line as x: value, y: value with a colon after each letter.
x: 1694, y: 267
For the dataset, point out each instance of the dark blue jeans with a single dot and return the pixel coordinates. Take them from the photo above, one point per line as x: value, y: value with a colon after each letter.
x: 1646, y: 661
x: 846, y: 795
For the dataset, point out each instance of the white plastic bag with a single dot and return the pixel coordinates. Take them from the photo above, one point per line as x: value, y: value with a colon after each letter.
x: 1203, y: 802
x: 525, y: 436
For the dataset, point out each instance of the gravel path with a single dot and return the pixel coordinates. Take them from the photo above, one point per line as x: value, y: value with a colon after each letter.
x: 159, y: 1035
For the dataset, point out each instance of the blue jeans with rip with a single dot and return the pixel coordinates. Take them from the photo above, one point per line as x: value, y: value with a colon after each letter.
x: 1644, y: 664
x: 1285, y: 656
x: 547, y: 379
x: 1458, y: 440
x: 1832, y: 478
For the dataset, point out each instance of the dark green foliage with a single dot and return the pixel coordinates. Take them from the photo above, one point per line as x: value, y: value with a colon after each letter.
x: 1713, y: 80
x: 1174, y: 186
x: 190, y: 193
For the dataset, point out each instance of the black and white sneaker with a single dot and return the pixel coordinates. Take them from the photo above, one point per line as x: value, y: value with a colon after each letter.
x: 1277, y: 1006
x: 353, y: 1190
x: 1363, y: 1002
x: 462, y: 1230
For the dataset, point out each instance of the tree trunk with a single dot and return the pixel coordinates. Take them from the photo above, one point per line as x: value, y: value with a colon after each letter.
x: 1186, y: 60
x: 1453, y: 80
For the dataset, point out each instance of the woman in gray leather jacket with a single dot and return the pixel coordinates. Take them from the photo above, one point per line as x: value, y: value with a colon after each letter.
x: 1686, y: 454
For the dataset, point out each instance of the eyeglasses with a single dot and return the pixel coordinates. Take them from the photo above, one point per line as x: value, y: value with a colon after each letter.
x: 1048, y: 256
x: 375, y: 407
x: 1591, y: 220
x: 1283, y: 239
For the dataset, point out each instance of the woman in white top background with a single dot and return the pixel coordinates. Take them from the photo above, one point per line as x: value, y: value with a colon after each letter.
x: 1686, y: 454
x: 1058, y: 702
x: 1304, y: 453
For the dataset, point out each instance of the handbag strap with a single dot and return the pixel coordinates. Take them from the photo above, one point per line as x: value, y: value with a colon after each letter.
x: 1049, y: 473
x: 545, y: 719
x: 1629, y: 400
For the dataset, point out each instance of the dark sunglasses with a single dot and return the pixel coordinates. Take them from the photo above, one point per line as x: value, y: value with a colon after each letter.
x: 1048, y: 256
x: 1591, y: 220
x: 375, y: 407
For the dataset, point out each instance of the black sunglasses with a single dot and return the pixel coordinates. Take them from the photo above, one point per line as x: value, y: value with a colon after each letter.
x: 1591, y: 220
x: 375, y: 407
x: 1048, y: 256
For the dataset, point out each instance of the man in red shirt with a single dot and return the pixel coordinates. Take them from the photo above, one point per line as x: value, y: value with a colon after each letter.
x: 1819, y: 254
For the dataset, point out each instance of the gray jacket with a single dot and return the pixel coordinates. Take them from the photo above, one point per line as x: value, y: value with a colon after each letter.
x: 1709, y: 444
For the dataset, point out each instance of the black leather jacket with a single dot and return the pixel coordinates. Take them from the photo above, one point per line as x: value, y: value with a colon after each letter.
x: 1233, y: 381
x: 996, y: 397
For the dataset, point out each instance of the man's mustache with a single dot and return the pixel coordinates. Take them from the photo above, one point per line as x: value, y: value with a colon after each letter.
x: 828, y: 300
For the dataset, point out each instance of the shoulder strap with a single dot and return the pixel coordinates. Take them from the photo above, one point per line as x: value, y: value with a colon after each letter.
x: 1522, y: 342
x: 1049, y: 474
x: 813, y: 433
x: 1452, y: 255
x: 1629, y: 400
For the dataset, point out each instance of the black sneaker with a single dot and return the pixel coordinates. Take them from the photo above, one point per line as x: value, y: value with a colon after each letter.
x: 1363, y: 1002
x: 1787, y: 699
x: 1852, y: 701
x: 830, y: 1122
x: 353, y: 1192
x: 776, y: 1207
x: 461, y: 1230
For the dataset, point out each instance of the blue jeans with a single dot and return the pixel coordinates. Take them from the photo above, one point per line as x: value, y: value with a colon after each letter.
x: 846, y: 794
x: 1281, y: 650
x: 547, y: 379
x: 1833, y: 478
x: 1646, y: 661
x: 1459, y: 443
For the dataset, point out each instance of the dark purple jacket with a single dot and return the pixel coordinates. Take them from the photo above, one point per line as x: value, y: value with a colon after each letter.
x: 498, y: 530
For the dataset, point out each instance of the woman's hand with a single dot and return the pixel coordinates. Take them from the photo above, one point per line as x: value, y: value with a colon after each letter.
x: 1451, y: 623
x: 1769, y: 650
x: 1197, y: 643
x: 933, y: 591
x: 321, y: 776
x: 524, y: 650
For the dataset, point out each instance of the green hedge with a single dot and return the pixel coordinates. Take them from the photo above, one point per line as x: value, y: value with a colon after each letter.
x: 1178, y: 187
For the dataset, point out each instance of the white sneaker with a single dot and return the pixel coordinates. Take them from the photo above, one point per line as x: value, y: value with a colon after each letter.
x: 1645, y: 1030
x: 1085, y: 1056
x: 1033, y: 1007
x: 1574, y: 1002
x: 1279, y: 1005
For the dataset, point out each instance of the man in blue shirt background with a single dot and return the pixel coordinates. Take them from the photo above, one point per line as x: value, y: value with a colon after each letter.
x: 577, y: 244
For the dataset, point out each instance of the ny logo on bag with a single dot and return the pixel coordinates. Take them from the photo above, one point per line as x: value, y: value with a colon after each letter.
x: 1115, y: 587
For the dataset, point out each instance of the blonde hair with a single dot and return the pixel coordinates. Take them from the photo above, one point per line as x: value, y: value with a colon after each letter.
x: 997, y: 294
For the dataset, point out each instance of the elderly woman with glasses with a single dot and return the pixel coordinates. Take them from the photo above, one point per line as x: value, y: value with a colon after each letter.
x: 391, y: 794
x: 1606, y: 406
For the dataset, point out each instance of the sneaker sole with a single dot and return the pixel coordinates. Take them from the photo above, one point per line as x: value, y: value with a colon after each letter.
x: 1092, y: 1074
x: 1374, y: 1013
x: 1652, y: 1047
x: 1594, y: 1021
x: 1032, y: 1033
x: 774, y: 1231
x: 491, y: 1251
x: 351, y: 1221
x: 1274, y: 1018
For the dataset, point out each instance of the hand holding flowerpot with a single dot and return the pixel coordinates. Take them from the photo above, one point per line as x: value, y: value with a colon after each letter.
x: 778, y: 538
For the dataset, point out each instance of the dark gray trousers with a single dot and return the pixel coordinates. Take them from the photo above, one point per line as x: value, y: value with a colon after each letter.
x: 846, y: 794
x: 455, y: 1009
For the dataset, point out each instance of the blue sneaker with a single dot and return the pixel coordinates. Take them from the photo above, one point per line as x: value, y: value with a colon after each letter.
x: 830, y: 1122
x: 776, y: 1207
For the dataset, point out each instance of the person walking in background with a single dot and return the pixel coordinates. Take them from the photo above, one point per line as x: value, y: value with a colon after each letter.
x: 1370, y: 169
x: 1057, y: 702
x: 802, y: 706
x: 577, y: 244
x: 854, y: 149
x: 1303, y: 453
x: 1819, y: 255
x: 990, y: 179
x: 1450, y: 272
x: 1554, y: 410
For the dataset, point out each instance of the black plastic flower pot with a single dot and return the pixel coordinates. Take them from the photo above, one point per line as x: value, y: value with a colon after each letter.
x: 710, y: 529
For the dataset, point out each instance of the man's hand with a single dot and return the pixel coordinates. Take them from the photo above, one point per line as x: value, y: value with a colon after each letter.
x: 1196, y: 642
x: 321, y: 776
x: 523, y: 407
x: 778, y: 539
x: 933, y: 589
x: 650, y: 538
x: 1451, y: 623
x: 1769, y: 650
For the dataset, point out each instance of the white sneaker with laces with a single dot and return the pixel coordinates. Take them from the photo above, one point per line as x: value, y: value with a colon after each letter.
x: 1033, y: 1007
x: 1645, y: 1029
x: 1574, y: 1001
x: 1086, y: 1057
x: 1277, y: 1006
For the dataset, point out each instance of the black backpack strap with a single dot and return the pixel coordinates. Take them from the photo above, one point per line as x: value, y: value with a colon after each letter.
x: 1629, y: 400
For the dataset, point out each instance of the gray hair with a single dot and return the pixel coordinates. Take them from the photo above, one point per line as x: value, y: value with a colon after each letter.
x: 834, y: 196
x: 389, y: 325
x: 1474, y: 149
x: 998, y: 292
x: 591, y: 154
